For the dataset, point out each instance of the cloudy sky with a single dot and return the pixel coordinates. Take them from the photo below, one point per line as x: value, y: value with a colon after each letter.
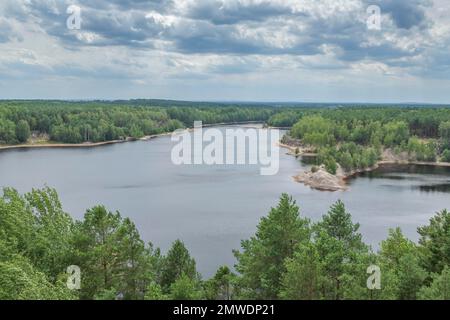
x: 246, y: 50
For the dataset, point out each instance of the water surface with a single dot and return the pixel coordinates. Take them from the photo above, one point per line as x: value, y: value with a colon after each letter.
x: 211, y: 208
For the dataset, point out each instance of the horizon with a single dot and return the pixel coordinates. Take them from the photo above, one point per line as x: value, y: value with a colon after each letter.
x: 261, y: 102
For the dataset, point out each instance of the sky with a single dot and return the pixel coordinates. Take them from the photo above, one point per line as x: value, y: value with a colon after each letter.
x: 226, y: 50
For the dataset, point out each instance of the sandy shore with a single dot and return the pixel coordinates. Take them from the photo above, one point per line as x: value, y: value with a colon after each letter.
x: 79, y: 145
x: 60, y: 145
x: 103, y: 143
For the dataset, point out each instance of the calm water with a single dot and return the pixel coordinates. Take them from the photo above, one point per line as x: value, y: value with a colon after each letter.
x: 211, y: 208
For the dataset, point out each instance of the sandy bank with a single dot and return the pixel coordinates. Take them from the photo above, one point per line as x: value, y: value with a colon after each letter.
x: 78, y: 145
x: 103, y: 143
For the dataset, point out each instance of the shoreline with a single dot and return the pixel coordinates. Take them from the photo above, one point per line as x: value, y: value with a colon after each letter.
x: 78, y: 145
x: 104, y: 143
x: 339, y: 182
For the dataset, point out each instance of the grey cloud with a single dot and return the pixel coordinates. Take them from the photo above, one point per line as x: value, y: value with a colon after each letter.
x: 219, y: 12
x: 406, y: 14
x: 210, y: 27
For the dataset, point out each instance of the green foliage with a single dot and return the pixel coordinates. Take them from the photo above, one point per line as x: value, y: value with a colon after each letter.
x: 439, y: 288
x: 284, y: 119
x: 446, y: 155
x: 338, y: 224
x: 444, y: 133
x: 185, y: 288
x: 21, y: 281
x: 77, y: 122
x: 17, y: 226
x: 402, y: 274
x: 51, y: 247
x: 22, y: 131
x: 435, y: 242
x: 421, y: 151
x: 395, y: 247
x: 7, y: 132
x: 262, y: 261
x: 303, y: 278
x: 349, y: 155
x: 220, y: 287
x: 330, y: 165
x: 111, y: 254
x: 343, y: 254
x: 154, y: 292
x: 38, y: 241
x: 177, y: 263
x: 355, y: 137
x: 97, y: 242
x: 395, y: 133
x: 30, y: 263
x: 411, y: 277
x: 314, y: 130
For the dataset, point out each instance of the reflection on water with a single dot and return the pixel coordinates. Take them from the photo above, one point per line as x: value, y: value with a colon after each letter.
x: 415, y: 177
x: 445, y: 187
x: 393, y: 169
x: 308, y: 159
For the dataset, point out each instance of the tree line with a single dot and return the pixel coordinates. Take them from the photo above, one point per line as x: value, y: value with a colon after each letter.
x: 96, y: 121
x: 289, y: 257
x: 356, y: 138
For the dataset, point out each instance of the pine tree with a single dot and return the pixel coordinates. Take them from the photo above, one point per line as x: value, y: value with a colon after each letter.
x: 177, y: 263
x: 343, y: 254
x: 303, y: 277
x: 439, y: 288
x: 97, y: 251
x: 262, y: 261
x: 435, y: 242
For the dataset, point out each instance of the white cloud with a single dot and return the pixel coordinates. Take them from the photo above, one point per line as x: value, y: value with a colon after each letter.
x: 256, y: 49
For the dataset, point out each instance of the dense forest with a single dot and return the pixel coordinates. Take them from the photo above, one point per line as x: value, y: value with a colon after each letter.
x: 96, y: 121
x: 356, y: 138
x: 289, y: 257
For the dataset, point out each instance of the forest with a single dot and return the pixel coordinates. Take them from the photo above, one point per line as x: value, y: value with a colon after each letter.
x: 97, y: 121
x: 356, y: 138
x: 288, y: 257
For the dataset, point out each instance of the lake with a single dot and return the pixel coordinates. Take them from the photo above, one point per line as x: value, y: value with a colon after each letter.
x: 211, y: 208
